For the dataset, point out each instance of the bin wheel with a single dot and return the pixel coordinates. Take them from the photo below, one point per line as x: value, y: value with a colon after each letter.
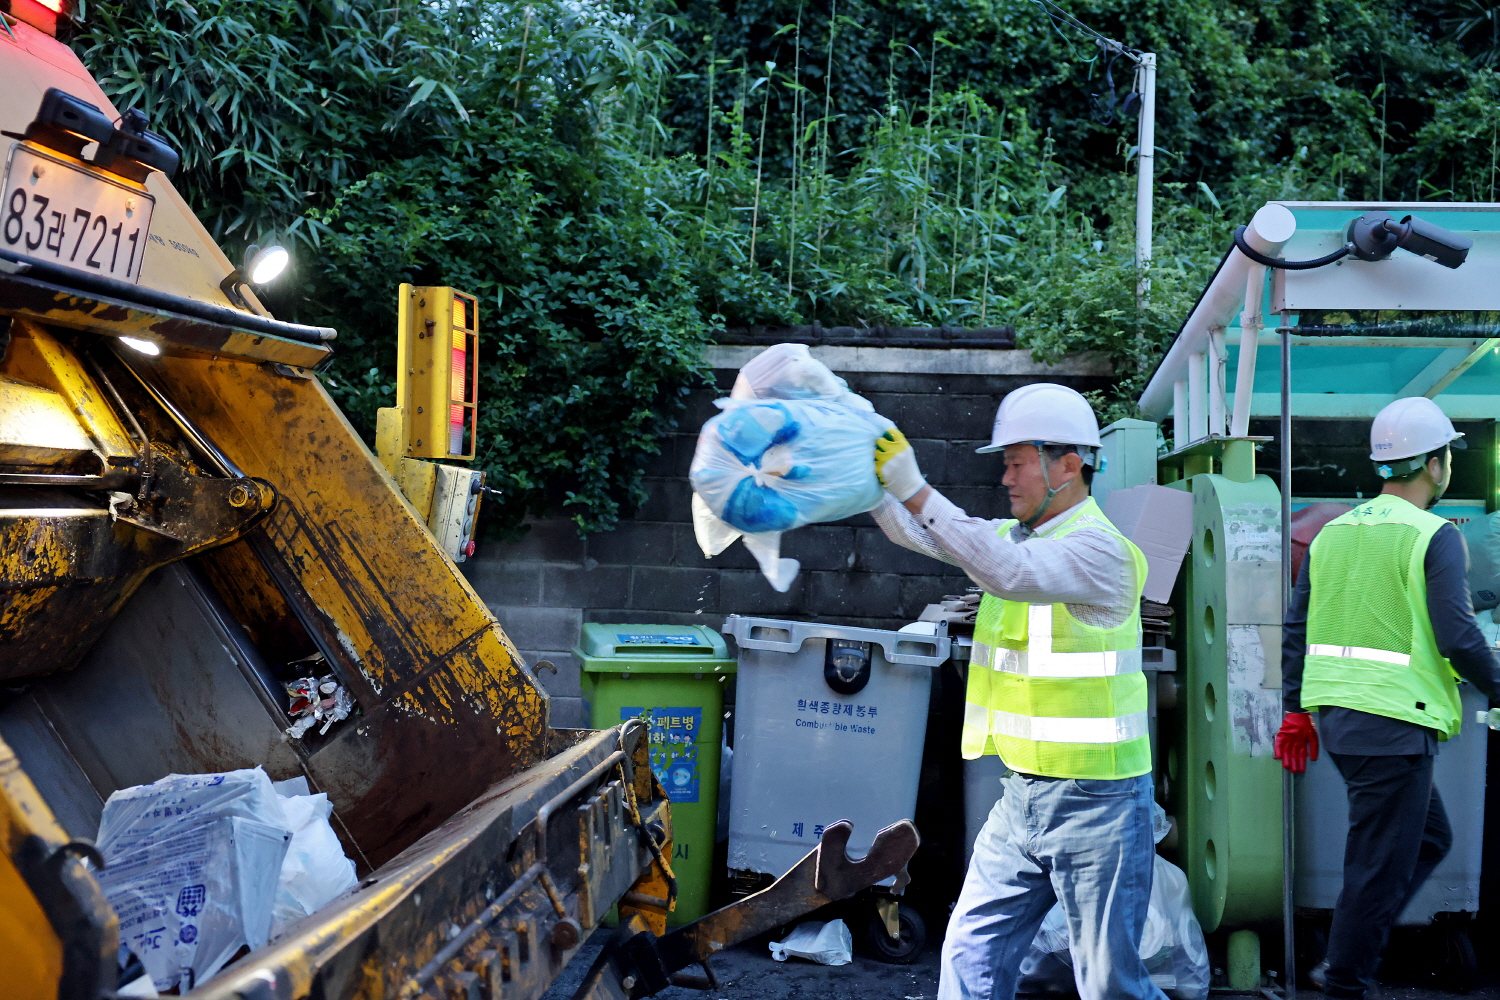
x: 1459, y: 963
x: 905, y: 949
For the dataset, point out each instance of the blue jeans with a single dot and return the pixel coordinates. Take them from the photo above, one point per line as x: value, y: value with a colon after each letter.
x: 1085, y: 842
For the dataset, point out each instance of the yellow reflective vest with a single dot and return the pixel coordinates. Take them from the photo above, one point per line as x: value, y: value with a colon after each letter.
x: 1052, y: 695
x: 1369, y: 641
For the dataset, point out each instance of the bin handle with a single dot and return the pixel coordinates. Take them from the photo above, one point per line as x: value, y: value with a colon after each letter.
x: 743, y: 629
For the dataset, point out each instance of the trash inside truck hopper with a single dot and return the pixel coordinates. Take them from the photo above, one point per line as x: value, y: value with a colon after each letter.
x: 184, y: 513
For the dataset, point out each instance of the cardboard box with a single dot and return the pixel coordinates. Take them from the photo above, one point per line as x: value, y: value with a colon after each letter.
x: 1159, y: 520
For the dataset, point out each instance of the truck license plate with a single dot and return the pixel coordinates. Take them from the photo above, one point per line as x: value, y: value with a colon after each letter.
x: 56, y: 212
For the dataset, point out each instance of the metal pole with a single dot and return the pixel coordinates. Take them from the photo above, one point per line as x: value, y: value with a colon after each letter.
x: 1145, y: 165
x: 1288, y: 788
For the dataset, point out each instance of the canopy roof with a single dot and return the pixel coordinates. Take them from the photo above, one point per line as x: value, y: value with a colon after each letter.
x: 1364, y: 333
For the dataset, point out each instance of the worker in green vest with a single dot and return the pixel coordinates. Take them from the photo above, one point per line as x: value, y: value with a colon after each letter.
x: 1055, y: 688
x: 1378, y: 630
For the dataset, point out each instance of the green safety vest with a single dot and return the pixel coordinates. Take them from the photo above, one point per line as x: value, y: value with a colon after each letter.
x: 1052, y: 695
x: 1369, y: 641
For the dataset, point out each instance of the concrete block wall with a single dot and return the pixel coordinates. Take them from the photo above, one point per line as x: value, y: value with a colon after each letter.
x: 649, y: 570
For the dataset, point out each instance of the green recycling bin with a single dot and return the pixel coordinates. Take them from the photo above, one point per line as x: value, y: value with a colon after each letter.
x: 674, y: 677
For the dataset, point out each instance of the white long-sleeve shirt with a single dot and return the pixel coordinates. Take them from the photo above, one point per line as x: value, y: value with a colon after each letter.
x: 1089, y: 569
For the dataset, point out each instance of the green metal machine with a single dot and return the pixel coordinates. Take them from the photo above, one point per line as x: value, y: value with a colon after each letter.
x: 1368, y: 325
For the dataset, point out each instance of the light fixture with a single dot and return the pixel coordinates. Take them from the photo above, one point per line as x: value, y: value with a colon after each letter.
x: 128, y: 148
x: 267, y: 265
x: 262, y: 265
x: 144, y: 346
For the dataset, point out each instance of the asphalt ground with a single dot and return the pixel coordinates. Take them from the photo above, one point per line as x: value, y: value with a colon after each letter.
x: 749, y: 972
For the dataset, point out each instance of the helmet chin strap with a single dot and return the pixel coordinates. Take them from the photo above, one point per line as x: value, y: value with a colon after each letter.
x: 1036, y: 518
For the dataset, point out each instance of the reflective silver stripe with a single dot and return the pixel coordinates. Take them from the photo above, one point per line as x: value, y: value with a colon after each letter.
x: 976, y: 716
x: 1359, y: 653
x: 1109, y: 663
x: 1052, y: 729
x: 1039, y: 628
x: 1038, y: 659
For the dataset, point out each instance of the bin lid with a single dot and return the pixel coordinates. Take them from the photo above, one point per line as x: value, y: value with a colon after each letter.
x: 659, y: 649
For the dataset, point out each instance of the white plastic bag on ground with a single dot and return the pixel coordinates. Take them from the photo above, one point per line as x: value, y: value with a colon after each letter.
x: 315, y: 869
x: 193, y: 862
x: 1172, y: 944
x: 1180, y: 965
x: 826, y: 944
x: 793, y: 447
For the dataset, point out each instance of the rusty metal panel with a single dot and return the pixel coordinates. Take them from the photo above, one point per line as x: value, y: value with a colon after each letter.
x: 38, y: 429
x: 446, y: 705
x: 67, y: 564
x: 64, y: 571
x: 167, y: 688
x: 36, y: 356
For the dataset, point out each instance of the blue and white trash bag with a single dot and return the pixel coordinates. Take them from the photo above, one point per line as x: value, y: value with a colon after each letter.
x: 793, y: 447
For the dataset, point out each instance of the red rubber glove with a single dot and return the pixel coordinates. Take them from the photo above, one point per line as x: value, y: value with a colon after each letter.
x: 1297, y: 741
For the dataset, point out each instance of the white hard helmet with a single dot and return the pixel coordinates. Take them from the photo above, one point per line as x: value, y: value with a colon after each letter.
x: 1045, y: 412
x: 1410, y: 428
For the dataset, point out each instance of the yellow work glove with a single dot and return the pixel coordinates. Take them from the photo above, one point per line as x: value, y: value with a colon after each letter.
x: 896, y: 465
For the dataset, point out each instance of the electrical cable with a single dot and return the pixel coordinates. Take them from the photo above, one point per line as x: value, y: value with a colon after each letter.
x: 1108, y: 102
x: 1287, y: 265
x: 1060, y: 16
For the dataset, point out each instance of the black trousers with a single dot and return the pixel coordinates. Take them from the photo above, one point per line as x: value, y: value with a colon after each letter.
x: 1398, y: 832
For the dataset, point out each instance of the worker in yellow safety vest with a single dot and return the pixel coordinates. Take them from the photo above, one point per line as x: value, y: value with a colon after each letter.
x: 1378, y: 624
x: 1055, y: 688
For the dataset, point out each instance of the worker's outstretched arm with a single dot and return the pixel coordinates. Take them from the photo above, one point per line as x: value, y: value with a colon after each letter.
x: 900, y: 527
x: 1088, y: 567
x: 1452, y: 613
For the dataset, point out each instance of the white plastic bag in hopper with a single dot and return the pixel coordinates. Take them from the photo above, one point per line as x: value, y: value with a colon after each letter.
x: 826, y: 944
x: 316, y: 869
x: 193, y: 862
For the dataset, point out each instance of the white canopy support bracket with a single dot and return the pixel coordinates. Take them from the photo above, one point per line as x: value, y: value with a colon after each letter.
x: 1457, y: 369
x: 1422, y: 382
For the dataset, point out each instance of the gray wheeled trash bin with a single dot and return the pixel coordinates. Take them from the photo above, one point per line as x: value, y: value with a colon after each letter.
x: 829, y: 724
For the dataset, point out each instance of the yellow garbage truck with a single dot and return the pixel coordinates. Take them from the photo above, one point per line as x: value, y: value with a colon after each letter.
x: 184, y: 512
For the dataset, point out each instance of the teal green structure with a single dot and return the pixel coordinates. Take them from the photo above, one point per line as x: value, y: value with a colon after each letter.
x: 1361, y: 334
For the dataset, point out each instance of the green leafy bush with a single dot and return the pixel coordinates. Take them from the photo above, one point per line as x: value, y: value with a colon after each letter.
x: 616, y: 180
x: 493, y: 147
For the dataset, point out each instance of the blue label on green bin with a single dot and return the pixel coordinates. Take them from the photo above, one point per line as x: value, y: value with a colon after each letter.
x: 630, y: 639
x: 674, y: 754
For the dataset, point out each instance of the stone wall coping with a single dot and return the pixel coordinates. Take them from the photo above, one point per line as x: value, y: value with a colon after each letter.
x: 920, y: 360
